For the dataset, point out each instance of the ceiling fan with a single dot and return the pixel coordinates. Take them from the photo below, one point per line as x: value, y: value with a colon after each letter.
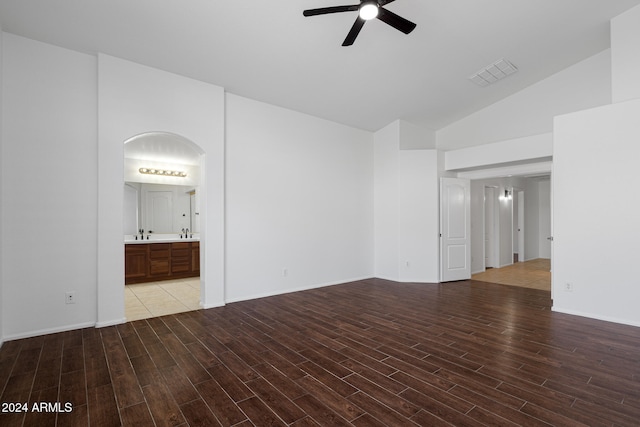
x: 367, y: 9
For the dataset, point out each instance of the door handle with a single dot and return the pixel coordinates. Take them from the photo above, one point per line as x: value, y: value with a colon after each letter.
x: 550, y: 238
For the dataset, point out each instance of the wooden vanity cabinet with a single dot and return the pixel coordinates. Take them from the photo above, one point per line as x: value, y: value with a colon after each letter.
x: 149, y: 262
x: 136, y: 264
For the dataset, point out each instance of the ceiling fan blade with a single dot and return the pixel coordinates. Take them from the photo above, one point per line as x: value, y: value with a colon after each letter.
x: 353, y: 33
x: 397, y: 22
x: 333, y: 9
x: 383, y: 2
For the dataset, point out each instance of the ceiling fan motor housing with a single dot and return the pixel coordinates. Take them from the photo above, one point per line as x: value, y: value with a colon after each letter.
x: 367, y: 10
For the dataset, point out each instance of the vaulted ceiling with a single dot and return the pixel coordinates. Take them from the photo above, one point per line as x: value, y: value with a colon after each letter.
x: 267, y: 50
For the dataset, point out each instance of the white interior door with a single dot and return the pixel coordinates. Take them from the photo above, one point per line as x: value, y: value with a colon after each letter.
x: 455, y: 229
x: 159, y: 211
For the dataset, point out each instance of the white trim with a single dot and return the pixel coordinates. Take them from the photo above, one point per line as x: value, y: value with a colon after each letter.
x: 49, y: 331
x: 213, y: 305
x: 595, y: 316
x: 111, y: 323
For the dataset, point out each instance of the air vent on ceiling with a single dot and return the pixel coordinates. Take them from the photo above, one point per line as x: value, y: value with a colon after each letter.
x: 494, y: 72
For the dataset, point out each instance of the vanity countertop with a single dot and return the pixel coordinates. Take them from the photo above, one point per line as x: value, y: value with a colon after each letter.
x: 130, y: 239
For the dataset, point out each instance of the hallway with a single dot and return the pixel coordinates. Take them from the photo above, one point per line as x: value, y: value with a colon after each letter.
x: 534, y: 274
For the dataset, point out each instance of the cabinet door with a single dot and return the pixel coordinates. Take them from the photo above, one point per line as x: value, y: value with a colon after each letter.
x: 195, y: 257
x: 135, y: 261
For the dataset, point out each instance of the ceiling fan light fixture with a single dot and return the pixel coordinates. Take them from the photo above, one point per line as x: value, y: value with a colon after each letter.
x: 368, y: 10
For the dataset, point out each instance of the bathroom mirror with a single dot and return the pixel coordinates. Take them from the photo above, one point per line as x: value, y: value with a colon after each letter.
x: 152, y: 201
x: 160, y: 208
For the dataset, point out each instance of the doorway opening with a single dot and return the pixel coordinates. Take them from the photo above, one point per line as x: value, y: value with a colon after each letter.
x: 513, y: 214
x: 162, y: 225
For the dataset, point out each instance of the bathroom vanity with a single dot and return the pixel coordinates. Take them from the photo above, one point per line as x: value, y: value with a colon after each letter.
x: 154, y: 260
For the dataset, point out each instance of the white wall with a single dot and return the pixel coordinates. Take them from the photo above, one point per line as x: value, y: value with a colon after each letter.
x: 1, y: 194
x: 530, y: 112
x: 418, y: 228
x: 413, y: 137
x: 386, y: 201
x: 299, y: 198
x: 625, y: 61
x: 406, y: 206
x: 596, y: 229
x: 544, y: 209
x: 49, y: 210
x: 134, y: 99
x: 477, y: 226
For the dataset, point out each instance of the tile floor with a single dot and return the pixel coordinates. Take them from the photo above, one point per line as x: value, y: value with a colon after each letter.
x: 145, y: 300
x: 534, y: 274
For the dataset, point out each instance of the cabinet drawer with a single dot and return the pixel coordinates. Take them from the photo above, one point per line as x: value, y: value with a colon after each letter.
x: 159, y: 267
x: 180, y: 245
x: 180, y: 252
x: 180, y: 265
x: 160, y: 250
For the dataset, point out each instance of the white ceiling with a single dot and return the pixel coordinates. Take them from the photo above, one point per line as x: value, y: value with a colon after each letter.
x: 266, y: 50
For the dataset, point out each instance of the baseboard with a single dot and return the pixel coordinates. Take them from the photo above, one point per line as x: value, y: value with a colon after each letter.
x: 213, y: 305
x: 49, y: 331
x: 111, y: 323
x: 291, y: 290
x: 596, y: 316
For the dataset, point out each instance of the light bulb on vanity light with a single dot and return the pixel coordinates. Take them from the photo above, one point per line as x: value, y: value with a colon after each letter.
x: 162, y: 172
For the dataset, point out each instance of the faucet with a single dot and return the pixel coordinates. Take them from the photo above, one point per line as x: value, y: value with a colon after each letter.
x: 186, y: 231
x: 183, y: 232
x: 141, y: 231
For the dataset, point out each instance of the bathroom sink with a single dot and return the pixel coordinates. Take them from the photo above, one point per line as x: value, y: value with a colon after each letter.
x: 160, y: 238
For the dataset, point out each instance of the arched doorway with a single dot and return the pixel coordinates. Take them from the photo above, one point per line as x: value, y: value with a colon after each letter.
x: 162, y: 177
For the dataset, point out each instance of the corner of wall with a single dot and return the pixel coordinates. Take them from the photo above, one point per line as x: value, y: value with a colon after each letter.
x: 1, y: 198
x: 414, y: 137
x: 625, y: 64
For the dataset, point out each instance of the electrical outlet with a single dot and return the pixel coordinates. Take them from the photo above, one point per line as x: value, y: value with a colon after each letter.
x: 568, y: 287
x: 70, y: 297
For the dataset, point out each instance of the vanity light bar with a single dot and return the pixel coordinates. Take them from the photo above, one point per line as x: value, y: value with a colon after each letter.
x: 162, y: 172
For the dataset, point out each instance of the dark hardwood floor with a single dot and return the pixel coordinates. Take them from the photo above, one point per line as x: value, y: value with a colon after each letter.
x: 369, y: 353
